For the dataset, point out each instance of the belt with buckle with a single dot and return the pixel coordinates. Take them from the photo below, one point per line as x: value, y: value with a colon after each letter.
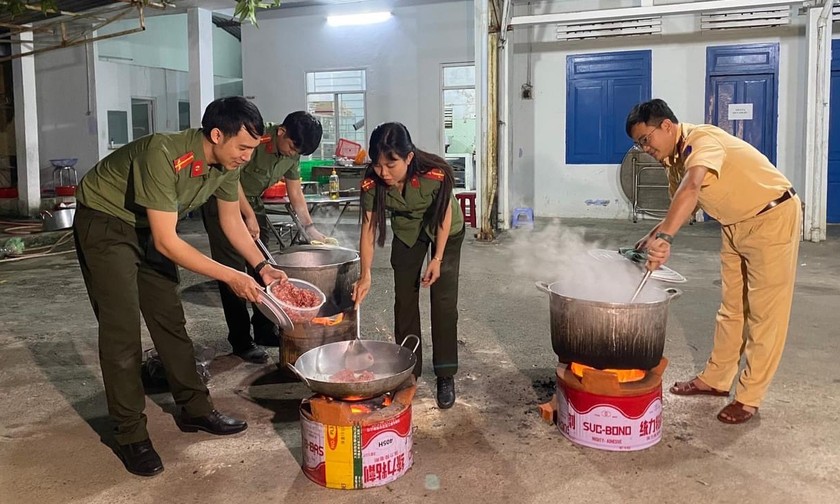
x: 781, y: 199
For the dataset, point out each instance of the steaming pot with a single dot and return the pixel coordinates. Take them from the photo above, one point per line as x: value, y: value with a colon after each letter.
x: 608, y: 335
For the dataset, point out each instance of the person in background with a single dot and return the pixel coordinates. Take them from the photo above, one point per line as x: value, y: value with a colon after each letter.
x: 129, y: 252
x: 760, y: 224
x: 277, y: 157
x: 416, y: 188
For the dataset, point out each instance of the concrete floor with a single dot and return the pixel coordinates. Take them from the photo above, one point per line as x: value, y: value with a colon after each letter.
x: 491, y: 445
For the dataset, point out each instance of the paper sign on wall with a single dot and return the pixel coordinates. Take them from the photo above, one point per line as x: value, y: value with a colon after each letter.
x: 739, y: 111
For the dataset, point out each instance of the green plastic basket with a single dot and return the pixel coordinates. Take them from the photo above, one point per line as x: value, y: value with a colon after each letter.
x: 306, y: 167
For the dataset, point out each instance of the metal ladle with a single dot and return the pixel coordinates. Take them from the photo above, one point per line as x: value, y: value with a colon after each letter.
x: 357, y: 357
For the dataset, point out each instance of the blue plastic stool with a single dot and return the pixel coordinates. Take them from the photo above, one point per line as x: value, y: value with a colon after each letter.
x: 518, y: 221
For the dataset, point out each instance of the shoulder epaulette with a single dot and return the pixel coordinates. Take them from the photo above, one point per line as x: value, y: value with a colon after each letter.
x: 435, y: 174
x: 183, y: 161
x: 368, y: 184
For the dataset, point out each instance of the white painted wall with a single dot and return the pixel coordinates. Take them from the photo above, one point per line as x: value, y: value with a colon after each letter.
x: 66, y: 116
x: 541, y: 178
x: 150, y: 64
x: 119, y: 83
x: 402, y: 57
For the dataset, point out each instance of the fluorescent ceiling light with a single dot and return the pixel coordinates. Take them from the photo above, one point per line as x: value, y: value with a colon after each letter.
x: 359, y: 19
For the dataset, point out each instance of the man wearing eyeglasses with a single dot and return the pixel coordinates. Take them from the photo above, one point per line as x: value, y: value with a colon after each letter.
x: 278, y: 157
x: 760, y: 219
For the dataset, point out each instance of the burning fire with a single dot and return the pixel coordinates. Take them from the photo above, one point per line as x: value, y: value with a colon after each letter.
x: 328, y: 321
x: 623, y: 375
x: 369, y: 406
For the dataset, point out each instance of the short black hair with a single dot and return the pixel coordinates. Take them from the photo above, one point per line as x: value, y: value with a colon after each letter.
x: 305, y: 130
x: 649, y: 112
x: 231, y: 114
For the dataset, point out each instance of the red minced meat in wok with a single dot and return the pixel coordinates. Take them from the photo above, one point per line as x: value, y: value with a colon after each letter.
x: 349, y: 376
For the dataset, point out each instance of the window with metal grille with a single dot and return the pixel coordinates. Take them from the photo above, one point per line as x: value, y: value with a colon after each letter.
x: 458, y: 98
x: 600, y: 91
x: 337, y: 99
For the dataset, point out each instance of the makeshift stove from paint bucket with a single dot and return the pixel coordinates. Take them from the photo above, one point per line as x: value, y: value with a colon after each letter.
x: 615, y: 410
x: 357, y: 444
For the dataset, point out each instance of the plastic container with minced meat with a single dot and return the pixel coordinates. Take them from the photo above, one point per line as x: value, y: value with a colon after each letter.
x: 299, y: 299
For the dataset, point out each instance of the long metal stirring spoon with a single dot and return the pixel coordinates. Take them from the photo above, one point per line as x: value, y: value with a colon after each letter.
x: 641, y: 285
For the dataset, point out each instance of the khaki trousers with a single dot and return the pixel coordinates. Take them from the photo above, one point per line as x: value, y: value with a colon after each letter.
x: 758, y: 268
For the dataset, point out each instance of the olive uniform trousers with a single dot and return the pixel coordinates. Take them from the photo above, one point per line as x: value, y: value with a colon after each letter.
x: 236, y: 309
x: 758, y: 270
x: 126, y: 276
x: 408, y: 266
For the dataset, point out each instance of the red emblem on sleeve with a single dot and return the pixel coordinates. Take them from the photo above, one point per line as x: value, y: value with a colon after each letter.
x: 197, y: 169
x: 435, y: 174
x: 269, y: 144
x: 183, y: 161
x: 368, y: 184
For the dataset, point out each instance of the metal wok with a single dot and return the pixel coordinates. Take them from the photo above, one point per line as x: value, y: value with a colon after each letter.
x: 391, y: 366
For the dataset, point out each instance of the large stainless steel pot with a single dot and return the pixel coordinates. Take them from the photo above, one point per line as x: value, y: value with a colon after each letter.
x: 334, y: 270
x: 609, y: 335
x: 391, y: 365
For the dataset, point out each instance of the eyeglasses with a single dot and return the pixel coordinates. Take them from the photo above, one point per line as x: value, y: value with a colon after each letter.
x: 645, y: 140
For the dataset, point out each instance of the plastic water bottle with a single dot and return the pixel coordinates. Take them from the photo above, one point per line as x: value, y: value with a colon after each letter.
x: 334, y: 185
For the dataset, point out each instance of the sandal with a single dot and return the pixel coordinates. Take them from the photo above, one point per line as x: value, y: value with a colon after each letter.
x: 690, y: 388
x: 735, y: 413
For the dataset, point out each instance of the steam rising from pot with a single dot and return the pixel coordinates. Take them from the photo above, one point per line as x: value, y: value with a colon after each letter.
x: 561, y: 256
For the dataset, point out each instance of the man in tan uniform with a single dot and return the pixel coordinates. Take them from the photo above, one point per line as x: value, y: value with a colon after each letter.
x: 760, y: 224
x: 129, y: 253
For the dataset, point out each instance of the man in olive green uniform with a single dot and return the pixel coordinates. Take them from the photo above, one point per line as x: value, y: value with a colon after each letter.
x: 276, y: 158
x: 416, y: 188
x: 129, y: 250
x: 760, y: 219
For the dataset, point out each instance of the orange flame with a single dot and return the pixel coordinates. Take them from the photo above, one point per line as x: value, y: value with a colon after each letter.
x: 328, y: 321
x: 359, y: 409
x: 623, y: 375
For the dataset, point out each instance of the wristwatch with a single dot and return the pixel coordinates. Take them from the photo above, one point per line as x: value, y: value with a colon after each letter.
x: 260, y: 265
x: 664, y: 236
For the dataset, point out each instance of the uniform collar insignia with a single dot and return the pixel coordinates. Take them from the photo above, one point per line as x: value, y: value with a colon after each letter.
x: 198, y: 169
x: 415, y: 182
x: 435, y: 174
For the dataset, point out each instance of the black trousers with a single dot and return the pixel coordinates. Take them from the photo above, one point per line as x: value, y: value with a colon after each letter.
x: 408, y: 267
x: 238, y: 319
x: 126, y: 276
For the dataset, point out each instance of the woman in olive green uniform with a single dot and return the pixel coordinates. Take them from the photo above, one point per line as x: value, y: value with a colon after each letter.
x: 276, y: 158
x: 416, y: 188
x: 129, y: 252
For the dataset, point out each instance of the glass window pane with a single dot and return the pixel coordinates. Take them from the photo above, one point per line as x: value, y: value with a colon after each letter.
x: 328, y: 82
x: 459, y: 76
x: 351, y: 117
x: 141, y: 118
x: 459, y: 120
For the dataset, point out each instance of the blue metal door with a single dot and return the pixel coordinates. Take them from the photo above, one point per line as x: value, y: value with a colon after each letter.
x: 833, y: 203
x: 744, y: 74
x: 755, y: 90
